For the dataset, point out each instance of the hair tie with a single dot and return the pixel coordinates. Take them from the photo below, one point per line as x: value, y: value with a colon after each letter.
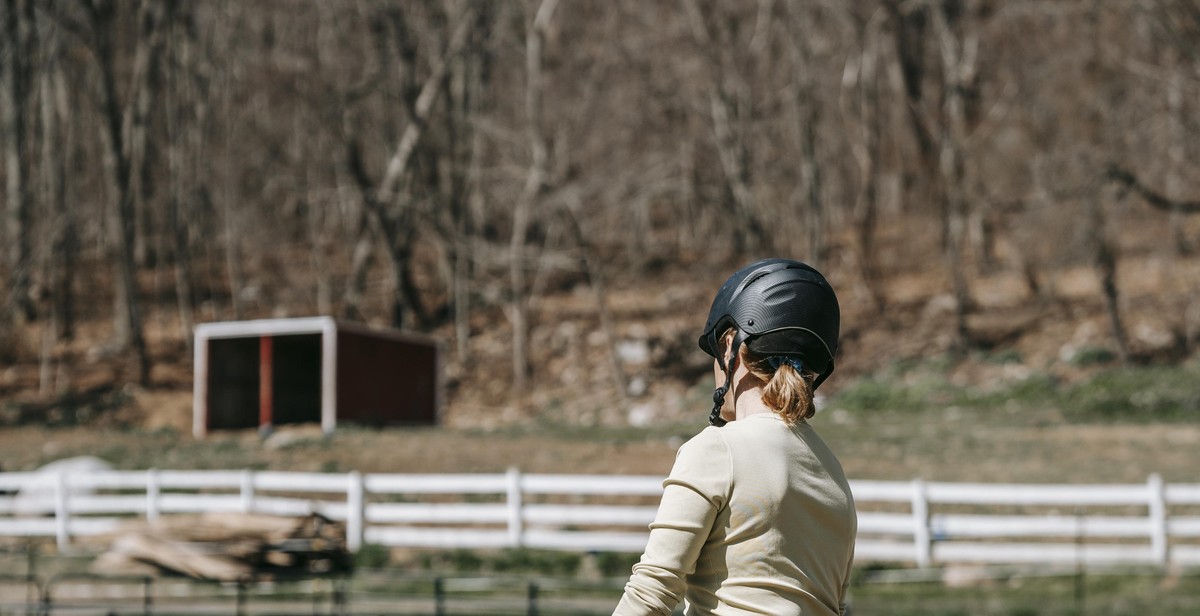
x: 779, y: 360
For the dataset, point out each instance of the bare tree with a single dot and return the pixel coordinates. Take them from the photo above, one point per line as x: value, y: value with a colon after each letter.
x: 723, y: 94
x: 386, y: 201
x: 808, y: 113
x: 910, y: 23
x: 862, y: 82
x: 536, y: 181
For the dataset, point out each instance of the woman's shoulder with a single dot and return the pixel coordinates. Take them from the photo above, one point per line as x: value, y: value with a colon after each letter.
x: 709, y: 439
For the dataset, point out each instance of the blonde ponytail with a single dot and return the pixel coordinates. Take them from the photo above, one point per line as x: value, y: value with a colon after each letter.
x: 788, y: 392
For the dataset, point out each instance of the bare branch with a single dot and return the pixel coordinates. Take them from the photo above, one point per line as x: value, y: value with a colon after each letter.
x: 1154, y: 198
x: 398, y: 164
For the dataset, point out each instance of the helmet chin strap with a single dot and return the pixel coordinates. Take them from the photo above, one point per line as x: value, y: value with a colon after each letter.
x: 714, y: 417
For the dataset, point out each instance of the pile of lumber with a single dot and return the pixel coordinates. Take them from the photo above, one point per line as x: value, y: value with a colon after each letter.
x: 228, y: 547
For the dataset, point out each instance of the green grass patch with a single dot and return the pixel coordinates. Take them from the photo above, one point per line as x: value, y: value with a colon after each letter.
x: 1125, y: 394
x: 1156, y: 393
x: 506, y: 561
x: 1131, y: 593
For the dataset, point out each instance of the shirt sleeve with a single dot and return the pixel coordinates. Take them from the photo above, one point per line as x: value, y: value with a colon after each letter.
x: 697, y: 488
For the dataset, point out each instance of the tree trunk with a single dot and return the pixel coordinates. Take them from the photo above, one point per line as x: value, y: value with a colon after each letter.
x: 535, y: 184
x: 1104, y: 249
x: 468, y: 87
x: 179, y: 99
x: 151, y: 18
x: 1104, y: 259
x: 1176, y: 154
x: 129, y: 319
x: 909, y: 25
x: 57, y: 142
x: 233, y: 256
x: 958, y: 40
x: 17, y: 21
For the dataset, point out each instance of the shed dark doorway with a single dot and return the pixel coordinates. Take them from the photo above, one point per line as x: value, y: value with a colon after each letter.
x: 233, y: 383
x: 296, y: 379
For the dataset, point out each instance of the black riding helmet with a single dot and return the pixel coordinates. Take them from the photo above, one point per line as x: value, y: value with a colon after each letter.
x: 778, y: 308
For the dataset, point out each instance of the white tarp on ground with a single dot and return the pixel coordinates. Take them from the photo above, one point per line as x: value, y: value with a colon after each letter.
x: 36, y: 495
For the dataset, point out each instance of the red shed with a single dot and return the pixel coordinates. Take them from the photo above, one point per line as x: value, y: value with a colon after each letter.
x: 284, y: 371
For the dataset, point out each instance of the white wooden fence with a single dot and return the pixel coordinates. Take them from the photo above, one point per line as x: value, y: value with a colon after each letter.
x: 919, y: 522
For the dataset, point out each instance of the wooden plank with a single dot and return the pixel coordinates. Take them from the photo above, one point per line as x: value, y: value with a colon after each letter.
x: 300, y: 482
x: 593, y: 484
x: 585, y: 540
x: 1183, y: 494
x: 961, y: 525
x: 299, y: 507
x: 436, y: 513
x: 589, y: 515
x: 16, y: 481
x: 983, y: 552
x: 436, y: 537
x: 436, y: 484
x: 199, y: 503
x: 266, y: 386
x: 48, y: 527
x: 200, y: 480
x: 1183, y: 526
x: 109, y: 480
x: 91, y: 504
x: 883, y: 551
x: 881, y: 491
x: 261, y: 327
x: 1040, y: 494
x: 186, y: 558
x: 28, y: 527
x: 1186, y: 554
x: 885, y: 523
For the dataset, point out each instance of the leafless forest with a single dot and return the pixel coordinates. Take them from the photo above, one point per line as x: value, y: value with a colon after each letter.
x: 508, y: 175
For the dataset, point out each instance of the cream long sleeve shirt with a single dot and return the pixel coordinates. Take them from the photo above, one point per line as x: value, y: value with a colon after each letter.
x: 756, y: 518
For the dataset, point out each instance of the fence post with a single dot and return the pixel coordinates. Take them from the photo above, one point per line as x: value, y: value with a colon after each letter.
x: 31, y: 580
x: 920, y: 512
x: 439, y: 597
x: 62, y: 512
x: 241, y: 597
x: 147, y: 595
x: 152, y: 494
x: 355, y: 511
x: 515, y: 521
x: 247, y: 491
x: 533, y: 599
x: 1157, y: 492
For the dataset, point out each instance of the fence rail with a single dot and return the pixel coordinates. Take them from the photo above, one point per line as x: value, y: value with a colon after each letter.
x: 919, y: 522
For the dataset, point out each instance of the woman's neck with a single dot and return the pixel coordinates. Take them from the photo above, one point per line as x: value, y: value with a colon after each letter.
x: 749, y: 402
